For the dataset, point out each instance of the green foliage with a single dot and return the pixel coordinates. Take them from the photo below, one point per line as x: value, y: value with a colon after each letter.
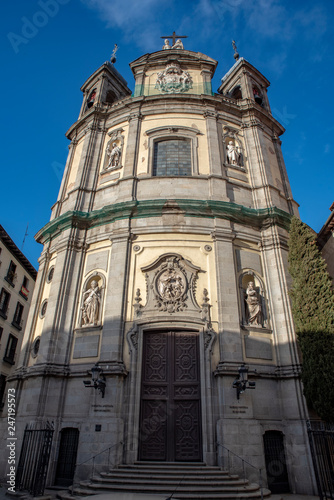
x: 318, y: 372
x: 313, y: 311
x: 312, y: 293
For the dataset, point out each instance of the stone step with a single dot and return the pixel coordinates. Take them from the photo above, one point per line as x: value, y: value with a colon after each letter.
x: 169, y: 480
x: 158, y: 487
x: 252, y: 492
x: 187, y: 466
x: 172, y: 475
x: 185, y: 481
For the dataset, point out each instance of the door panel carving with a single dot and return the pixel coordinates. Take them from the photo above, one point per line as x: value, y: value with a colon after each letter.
x: 170, y: 420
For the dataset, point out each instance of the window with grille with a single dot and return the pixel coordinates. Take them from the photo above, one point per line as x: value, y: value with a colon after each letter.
x: 17, y: 320
x: 4, y: 302
x: 24, y: 292
x: 9, y: 356
x: 11, y: 273
x: 172, y: 157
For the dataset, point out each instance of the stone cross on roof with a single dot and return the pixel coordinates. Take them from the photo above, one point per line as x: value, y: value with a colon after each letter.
x: 174, y: 37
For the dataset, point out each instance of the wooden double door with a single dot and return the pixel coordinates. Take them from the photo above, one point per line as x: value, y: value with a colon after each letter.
x: 170, y: 416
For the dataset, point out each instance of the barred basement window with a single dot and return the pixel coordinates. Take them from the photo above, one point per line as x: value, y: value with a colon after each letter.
x: 172, y: 157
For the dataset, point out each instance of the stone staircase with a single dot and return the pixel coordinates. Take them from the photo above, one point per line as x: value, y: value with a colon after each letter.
x: 186, y: 480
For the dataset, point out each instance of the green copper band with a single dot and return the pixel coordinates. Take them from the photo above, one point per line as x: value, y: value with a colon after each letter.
x: 156, y: 208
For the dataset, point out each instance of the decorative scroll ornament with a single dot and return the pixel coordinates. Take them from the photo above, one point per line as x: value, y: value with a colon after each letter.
x: 174, y: 80
x: 210, y: 337
x: 132, y: 338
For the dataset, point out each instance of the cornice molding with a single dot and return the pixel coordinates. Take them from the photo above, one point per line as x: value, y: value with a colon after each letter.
x: 258, y: 218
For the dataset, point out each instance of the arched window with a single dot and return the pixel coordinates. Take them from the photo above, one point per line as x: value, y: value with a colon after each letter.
x: 91, y: 98
x: 236, y: 93
x: 172, y: 157
x: 110, y: 97
x: 257, y: 95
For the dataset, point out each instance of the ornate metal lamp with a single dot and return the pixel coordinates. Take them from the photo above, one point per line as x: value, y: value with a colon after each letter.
x: 98, y: 380
x: 242, y: 383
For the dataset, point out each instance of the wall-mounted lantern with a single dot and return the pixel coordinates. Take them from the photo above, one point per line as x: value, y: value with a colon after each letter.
x: 98, y: 380
x: 242, y: 383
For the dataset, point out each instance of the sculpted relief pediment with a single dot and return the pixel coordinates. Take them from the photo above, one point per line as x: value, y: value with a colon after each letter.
x: 171, y: 286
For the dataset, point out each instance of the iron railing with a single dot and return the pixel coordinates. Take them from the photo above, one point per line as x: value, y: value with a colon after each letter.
x: 93, y: 458
x: 228, y: 459
x: 34, y: 458
x: 321, y: 438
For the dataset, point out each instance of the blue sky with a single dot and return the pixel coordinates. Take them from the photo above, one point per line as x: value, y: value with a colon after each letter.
x: 50, y: 47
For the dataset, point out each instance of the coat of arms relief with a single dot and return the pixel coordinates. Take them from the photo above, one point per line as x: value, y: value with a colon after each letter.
x: 173, y: 79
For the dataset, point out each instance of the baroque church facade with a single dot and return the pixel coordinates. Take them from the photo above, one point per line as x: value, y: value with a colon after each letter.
x: 164, y: 269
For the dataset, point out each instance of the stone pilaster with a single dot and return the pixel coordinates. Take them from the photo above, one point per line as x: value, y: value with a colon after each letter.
x: 227, y: 293
x: 112, y: 341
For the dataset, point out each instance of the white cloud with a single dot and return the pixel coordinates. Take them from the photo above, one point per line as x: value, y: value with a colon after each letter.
x: 139, y: 21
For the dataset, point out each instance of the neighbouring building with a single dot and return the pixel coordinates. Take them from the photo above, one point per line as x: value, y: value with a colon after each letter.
x: 17, y: 281
x: 165, y: 266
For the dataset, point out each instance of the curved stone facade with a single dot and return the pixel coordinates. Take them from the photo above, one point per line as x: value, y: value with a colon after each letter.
x: 137, y: 254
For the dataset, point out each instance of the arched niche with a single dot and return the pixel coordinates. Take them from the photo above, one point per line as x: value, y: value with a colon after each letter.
x: 91, y: 302
x: 114, y: 151
x: 254, y: 312
x: 233, y: 149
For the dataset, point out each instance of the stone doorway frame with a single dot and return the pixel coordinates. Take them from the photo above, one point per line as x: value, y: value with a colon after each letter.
x: 207, y: 338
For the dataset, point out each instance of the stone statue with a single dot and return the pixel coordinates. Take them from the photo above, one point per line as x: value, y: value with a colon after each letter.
x: 91, y: 304
x: 253, y: 305
x: 114, y: 155
x: 233, y: 155
x: 166, y: 46
x: 178, y: 45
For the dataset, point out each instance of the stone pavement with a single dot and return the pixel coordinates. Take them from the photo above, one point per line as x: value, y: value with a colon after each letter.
x: 51, y: 494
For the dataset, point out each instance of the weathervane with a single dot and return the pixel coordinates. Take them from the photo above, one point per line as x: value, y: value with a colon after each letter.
x: 236, y: 53
x: 113, y: 55
x: 177, y: 44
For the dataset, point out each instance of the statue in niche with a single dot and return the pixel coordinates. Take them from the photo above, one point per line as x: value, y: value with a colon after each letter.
x: 91, y: 304
x: 114, y: 155
x: 178, y: 45
x: 166, y: 46
x: 253, y: 305
x: 233, y: 154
